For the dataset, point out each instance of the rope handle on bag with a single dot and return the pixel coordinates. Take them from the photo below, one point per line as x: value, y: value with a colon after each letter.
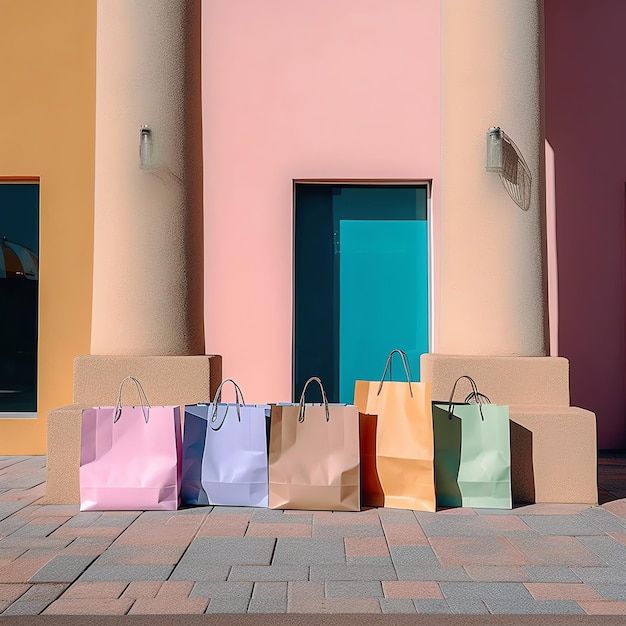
x: 475, y: 395
x: 218, y: 396
x: 145, y: 405
x: 407, y: 370
x: 324, y: 399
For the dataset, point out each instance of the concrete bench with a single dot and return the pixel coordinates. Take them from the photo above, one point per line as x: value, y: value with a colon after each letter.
x: 553, y: 445
x: 167, y: 380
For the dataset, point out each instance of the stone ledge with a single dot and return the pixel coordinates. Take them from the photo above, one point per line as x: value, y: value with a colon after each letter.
x: 175, y: 380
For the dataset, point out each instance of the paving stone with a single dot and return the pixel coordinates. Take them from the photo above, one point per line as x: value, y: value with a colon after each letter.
x: 397, y: 605
x: 335, y: 605
x: 83, y: 519
x: 36, y: 543
x: 97, y: 606
x: 404, y: 534
x: 516, y: 607
x: 309, y: 551
x: 12, y: 591
x: 233, y: 510
x: 563, y: 591
x: 413, y: 556
x: 548, y: 574
x: 84, y: 590
x: 269, y: 529
x: 267, y: 605
x: 168, y: 605
x: 119, y: 520
x: 561, y: 525
x: 64, y: 568
x: 11, y: 524
x: 193, y: 570
x: 496, y: 573
x: 129, y: 555
x: 463, y: 551
x: 351, y: 572
x: 366, y: 517
x: 278, y: 573
x: 55, y: 510
x: 223, y: 590
x: 431, y: 572
x: 455, y: 526
x: 88, y: 545
x: 189, y: 515
x: 549, y: 508
x: 366, y: 546
x: 506, y: 524
x: 553, y: 550
x: 35, y: 600
x: 345, y: 530
x: 611, y: 551
x: 604, y: 607
x: 468, y: 606
x: 153, y: 517
x: 431, y: 606
x: 231, y: 550
x: 456, y: 592
x: 353, y: 589
x: 277, y: 516
x: 21, y: 569
x: 370, y: 561
x: 228, y: 605
x: 224, y: 526
x: 270, y: 590
x: 37, y: 529
x: 396, y: 516
x: 135, y: 589
x: 604, y: 520
x: 601, y: 574
x: 411, y: 589
x: 127, y: 573
x: 611, y: 591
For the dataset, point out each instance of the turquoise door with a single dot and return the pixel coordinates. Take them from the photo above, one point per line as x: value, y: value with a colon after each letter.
x: 361, y: 282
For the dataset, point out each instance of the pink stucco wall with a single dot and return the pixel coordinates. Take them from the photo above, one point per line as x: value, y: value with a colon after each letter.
x: 294, y: 89
x: 586, y: 127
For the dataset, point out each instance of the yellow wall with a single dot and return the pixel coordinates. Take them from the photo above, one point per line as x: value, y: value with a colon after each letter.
x: 47, y: 124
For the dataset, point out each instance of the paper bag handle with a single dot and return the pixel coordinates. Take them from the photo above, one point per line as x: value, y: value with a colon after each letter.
x: 407, y: 370
x: 475, y: 395
x: 324, y: 398
x: 145, y: 405
x: 239, y: 402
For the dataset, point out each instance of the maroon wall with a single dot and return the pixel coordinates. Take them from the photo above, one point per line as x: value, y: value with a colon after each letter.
x: 585, y: 57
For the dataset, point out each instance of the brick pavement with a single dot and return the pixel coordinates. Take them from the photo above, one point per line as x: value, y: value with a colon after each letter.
x: 535, y: 559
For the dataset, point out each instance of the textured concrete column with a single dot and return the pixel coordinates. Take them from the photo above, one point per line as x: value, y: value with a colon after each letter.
x: 492, y: 296
x: 147, y: 291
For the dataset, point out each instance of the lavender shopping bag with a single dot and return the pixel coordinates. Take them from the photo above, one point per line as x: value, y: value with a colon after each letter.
x: 130, y: 456
x: 225, y: 452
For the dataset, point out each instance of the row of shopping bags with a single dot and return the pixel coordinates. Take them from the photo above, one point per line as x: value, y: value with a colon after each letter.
x: 394, y: 447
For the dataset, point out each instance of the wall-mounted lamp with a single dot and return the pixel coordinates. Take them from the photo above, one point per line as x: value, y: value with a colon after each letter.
x: 495, y: 152
x: 145, y: 147
x: 505, y: 158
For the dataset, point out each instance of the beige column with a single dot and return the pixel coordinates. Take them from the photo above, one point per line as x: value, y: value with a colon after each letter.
x: 147, y: 288
x: 492, y: 298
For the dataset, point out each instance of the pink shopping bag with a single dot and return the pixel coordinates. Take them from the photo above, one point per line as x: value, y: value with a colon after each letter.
x: 131, y: 456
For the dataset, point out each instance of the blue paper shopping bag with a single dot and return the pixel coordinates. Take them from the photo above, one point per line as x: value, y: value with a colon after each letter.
x: 225, y: 452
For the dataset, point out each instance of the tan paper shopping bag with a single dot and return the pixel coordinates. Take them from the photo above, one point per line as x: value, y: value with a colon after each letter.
x: 314, y: 456
x: 397, y: 464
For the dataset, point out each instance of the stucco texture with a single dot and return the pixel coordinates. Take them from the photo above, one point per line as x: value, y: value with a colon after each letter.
x: 47, y: 117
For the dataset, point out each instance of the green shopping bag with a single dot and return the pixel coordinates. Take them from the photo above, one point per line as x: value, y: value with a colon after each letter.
x: 472, y: 452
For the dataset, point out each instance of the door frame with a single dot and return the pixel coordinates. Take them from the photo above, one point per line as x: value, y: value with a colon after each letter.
x: 431, y: 248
